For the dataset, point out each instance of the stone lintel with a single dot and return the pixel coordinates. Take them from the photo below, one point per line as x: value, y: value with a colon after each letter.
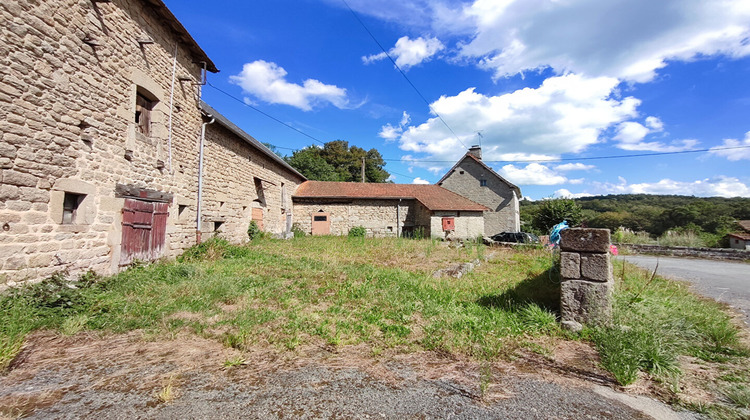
x: 132, y: 191
x: 585, y: 240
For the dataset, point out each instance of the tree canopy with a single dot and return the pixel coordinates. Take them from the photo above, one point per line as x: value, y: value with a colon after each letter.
x: 337, y: 161
x: 654, y: 214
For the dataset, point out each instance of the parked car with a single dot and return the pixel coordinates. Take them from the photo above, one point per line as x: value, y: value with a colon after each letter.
x: 516, y: 237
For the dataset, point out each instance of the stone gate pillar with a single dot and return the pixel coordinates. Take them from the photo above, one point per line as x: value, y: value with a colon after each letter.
x: 587, y: 280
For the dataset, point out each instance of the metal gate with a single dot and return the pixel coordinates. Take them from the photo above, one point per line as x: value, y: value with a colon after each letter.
x: 144, y: 228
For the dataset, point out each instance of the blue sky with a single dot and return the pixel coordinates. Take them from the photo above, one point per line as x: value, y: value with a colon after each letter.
x: 542, y: 80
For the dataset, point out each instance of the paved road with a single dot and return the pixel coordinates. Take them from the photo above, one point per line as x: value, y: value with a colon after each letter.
x: 724, y: 281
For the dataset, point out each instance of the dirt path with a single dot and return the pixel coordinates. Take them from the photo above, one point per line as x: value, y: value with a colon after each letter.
x: 123, y: 376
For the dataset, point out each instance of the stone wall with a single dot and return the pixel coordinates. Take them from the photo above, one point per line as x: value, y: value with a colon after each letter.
x: 232, y: 170
x: 466, y: 180
x: 469, y: 224
x: 378, y: 217
x: 586, y: 274
x: 683, y: 251
x: 70, y: 75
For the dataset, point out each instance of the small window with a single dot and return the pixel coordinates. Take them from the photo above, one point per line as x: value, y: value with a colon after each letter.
x: 217, y: 226
x: 143, y: 108
x: 461, y: 172
x: 320, y: 218
x: 482, y: 182
x: 261, y: 197
x: 181, y: 210
x: 71, y: 202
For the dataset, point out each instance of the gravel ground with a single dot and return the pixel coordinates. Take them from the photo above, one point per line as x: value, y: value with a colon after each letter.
x: 122, y: 376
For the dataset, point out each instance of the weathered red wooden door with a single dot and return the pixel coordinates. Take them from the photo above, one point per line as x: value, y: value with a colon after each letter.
x: 144, y: 228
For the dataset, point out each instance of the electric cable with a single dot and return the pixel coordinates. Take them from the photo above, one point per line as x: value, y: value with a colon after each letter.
x: 402, y: 73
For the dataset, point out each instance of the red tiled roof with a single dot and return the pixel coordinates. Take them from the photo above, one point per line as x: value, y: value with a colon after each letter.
x: 743, y: 236
x: 431, y: 196
x: 744, y: 224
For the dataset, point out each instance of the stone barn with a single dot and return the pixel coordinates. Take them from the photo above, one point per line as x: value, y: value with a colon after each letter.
x: 473, y: 179
x: 333, y: 208
x: 101, y: 123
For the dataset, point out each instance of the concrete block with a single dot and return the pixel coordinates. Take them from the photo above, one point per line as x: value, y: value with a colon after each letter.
x: 586, y: 302
x: 570, y: 265
x: 585, y: 240
x: 596, y: 267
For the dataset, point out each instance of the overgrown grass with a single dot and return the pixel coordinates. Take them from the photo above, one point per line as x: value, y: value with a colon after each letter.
x: 341, y: 291
x: 656, y: 323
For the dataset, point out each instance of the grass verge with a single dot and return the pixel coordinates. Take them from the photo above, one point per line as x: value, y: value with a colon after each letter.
x: 342, y: 291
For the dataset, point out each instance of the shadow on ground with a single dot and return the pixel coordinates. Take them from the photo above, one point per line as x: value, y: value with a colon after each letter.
x: 542, y: 290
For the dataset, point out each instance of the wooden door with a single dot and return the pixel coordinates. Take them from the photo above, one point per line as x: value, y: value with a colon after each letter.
x: 144, y: 229
x: 257, y: 216
x: 321, y: 223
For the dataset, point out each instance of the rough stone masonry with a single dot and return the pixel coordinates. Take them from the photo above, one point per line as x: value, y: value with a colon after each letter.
x: 587, y: 280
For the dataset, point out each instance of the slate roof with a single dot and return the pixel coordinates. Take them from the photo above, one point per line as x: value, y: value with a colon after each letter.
x: 224, y: 121
x: 171, y: 21
x: 490, y: 170
x: 433, y: 197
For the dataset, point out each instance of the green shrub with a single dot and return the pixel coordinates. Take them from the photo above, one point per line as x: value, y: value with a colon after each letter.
x: 253, y: 231
x: 297, y: 231
x: 419, y: 232
x: 212, y: 249
x: 357, y: 232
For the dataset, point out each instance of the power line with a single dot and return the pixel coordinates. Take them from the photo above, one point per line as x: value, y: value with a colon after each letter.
x: 402, y: 73
x: 579, y: 158
x: 635, y: 155
x: 267, y: 115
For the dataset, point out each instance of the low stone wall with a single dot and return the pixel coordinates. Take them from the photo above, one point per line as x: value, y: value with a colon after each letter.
x: 683, y: 251
x: 587, y: 280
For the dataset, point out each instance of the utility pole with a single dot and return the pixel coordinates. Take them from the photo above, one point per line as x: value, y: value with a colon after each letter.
x: 363, y: 169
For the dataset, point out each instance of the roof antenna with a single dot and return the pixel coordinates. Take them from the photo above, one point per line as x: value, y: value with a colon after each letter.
x: 479, y: 134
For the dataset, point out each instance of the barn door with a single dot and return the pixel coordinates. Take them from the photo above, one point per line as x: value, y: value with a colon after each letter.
x: 144, y: 227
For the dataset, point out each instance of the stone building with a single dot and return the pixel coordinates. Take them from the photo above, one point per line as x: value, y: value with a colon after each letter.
x: 473, y: 179
x: 243, y: 181
x: 741, y: 238
x: 100, y: 125
x: 386, y: 210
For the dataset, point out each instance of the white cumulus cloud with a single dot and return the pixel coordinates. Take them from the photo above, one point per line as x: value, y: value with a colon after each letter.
x: 267, y: 82
x: 420, y: 181
x: 721, y: 186
x: 564, y: 193
x: 409, y: 52
x: 574, y: 167
x: 531, y: 174
x: 630, y: 135
x: 566, y: 114
x: 626, y: 39
x: 390, y: 132
x: 740, y: 151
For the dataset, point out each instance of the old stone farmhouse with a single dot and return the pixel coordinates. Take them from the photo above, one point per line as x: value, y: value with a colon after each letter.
x: 334, y: 208
x: 473, y: 179
x: 100, y: 156
x: 741, y: 238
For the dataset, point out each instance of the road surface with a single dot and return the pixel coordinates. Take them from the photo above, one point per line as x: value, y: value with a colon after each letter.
x: 725, y: 281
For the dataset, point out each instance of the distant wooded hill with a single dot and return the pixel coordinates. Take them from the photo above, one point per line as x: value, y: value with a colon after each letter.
x: 655, y: 214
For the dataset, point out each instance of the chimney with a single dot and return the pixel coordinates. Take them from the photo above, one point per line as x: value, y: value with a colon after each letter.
x: 476, y: 151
